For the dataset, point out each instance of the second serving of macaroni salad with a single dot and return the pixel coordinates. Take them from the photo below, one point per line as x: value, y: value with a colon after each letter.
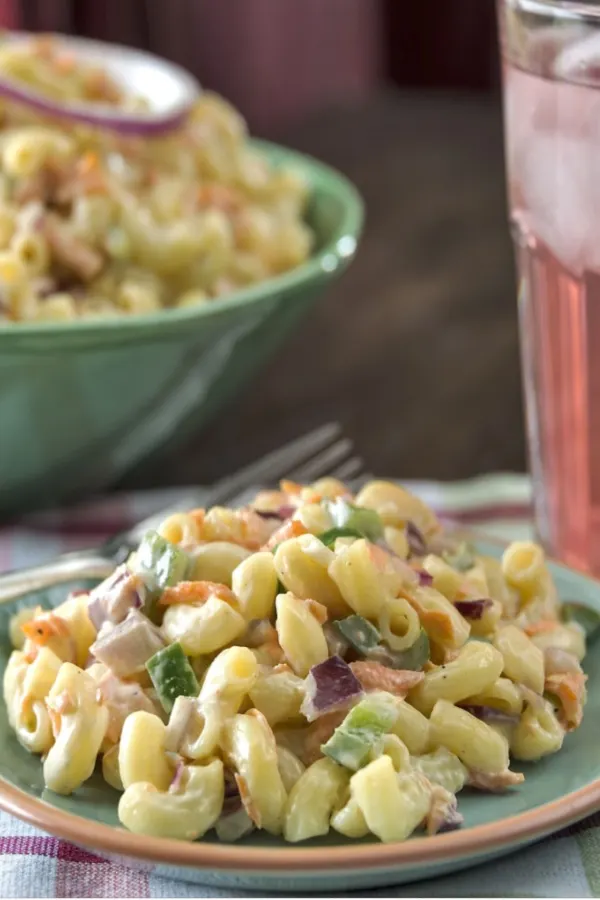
x: 94, y: 223
x: 315, y: 661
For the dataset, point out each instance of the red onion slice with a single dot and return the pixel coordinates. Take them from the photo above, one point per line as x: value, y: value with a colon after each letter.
x: 283, y: 513
x: 416, y: 540
x: 473, y: 609
x: 169, y: 90
x: 330, y: 685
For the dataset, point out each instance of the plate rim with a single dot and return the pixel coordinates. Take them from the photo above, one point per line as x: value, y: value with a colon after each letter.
x: 524, y: 827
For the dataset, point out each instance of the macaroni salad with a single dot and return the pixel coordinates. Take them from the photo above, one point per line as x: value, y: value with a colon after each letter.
x: 313, y: 661
x: 95, y: 223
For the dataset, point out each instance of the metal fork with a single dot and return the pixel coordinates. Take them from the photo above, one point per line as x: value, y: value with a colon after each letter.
x: 323, y: 451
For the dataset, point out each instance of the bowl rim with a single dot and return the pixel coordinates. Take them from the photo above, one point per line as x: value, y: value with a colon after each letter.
x: 484, y: 839
x: 337, y: 252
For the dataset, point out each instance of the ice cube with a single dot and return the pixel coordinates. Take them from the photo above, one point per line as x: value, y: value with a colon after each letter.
x: 544, y: 46
x: 553, y: 174
x: 580, y: 61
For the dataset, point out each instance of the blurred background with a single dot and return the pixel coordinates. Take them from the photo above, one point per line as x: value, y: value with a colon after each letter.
x: 278, y: 60
x: 415, y: 350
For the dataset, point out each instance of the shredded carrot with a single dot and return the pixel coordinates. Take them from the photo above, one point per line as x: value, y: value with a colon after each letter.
x: 43, y: 47
x: 198, y: 515
x: 378, y: 556
x: 65, y: 63
x: 319, y: 733
x: 541, y: 627
x: 247, y: 802
x: 436, y: 622
x: 318, y: 610
x: 569, y: 689
x: 281, y: 668
x: 25, y: 705
x: 219, y: 196
x: 273, y: 649
x: 197, y: 592
x: 41, y: 630
x: 311, y: 496
x: 290, y: 529
x: 374, y: 676
x: 88, y: 162
x: 292, y: 488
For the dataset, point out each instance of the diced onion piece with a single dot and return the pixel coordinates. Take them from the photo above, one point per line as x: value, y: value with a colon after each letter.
x: 330, y: 685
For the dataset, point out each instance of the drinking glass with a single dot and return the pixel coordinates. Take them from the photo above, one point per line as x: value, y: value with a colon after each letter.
x: 551, y: 81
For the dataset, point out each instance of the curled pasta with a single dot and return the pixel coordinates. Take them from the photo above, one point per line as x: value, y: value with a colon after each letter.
x: 142, y: 755
x: 349, y: 820
x: 392, y: 804
x: 313, y: 799
x: 474, y: 742
x: 300, y: 634
x: 203, y: 629
x: 524, y: 567
x: 254, y: 582
x: 302, y: 566
x: 366, y: 577
x: 79, y: 722
x: 229, y: 679
x: 503, y: 694
x: 278, y: 695
x: 412, y: 727
x: 442, y: 767
x: 31, y: 718
x: 290, y: 767
x: 538, y: 733
x: 476, y: 667
x: 250, y: 745
x: 217, y: 562
x: 180, y: 528
x: 398, y: 615
x: 440, y: 619
x: 523, y: 661
x: 397, y: 506
x: 187, y: 813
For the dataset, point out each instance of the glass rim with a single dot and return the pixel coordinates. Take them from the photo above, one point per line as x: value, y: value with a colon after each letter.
x: 565, y: 9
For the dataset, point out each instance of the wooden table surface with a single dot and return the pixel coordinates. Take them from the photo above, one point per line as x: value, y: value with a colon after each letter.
x: 415, y: 349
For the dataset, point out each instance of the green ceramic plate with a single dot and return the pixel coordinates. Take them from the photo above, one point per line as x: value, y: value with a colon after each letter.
x: 557, y: 792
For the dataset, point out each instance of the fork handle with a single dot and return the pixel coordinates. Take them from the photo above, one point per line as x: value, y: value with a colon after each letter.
x: 60, y: 571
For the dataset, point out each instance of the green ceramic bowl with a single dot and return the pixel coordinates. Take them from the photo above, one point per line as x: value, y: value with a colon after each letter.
x: 81, y: 404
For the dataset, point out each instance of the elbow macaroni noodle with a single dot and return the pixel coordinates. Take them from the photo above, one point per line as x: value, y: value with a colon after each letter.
x: 459, y: 685
x: 144, y: 223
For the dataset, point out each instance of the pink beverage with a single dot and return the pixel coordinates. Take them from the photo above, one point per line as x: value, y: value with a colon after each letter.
x: 552, y: 124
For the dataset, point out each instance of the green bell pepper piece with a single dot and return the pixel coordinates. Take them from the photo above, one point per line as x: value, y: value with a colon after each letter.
x: 161, y: 564
x: 462, y: 559
x: 330, y: 537
x: 413, y: 658
x: 351, y: 742
x: 358, y: 632
x: 365, y: 521
x: 172, y: 675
